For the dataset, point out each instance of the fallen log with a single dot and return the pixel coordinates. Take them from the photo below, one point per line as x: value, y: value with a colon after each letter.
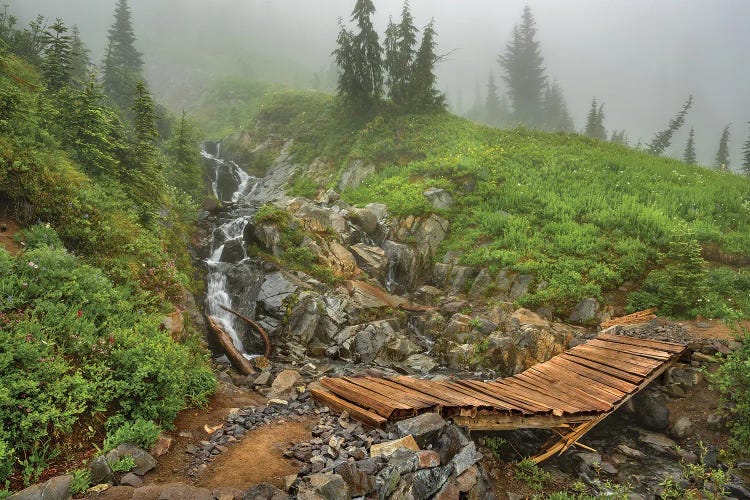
x: 255, y: 325
x: 239, y: 362
x: 630, y: 319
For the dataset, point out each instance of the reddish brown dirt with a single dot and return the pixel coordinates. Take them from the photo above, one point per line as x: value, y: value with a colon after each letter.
x: 716, y: 330
x: 257, y: 458
x: 6, y: 236
x: 193, y: 422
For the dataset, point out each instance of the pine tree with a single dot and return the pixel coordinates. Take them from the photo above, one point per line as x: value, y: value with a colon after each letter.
x: 746, y: 157
x: 493, y: 107
x: 721, y: 162
x: 557, y: 116
x: 595, y: 122
x: 81, y: 63
x: 58, y: 56
x: 524, y: 72
x: 663, y: 139
x: 123, y: 64
x: 345, y: 63
x: 403, y: 59
x: 689, y: 155
x: 423, y: 92
x: 144, y: 176
x: 619, y: 137
x: 391, y: 58
x: 366, y: 58
x: 184, y: 170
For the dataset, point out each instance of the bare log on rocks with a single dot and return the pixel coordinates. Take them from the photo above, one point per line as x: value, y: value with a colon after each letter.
x: 255, y: 326
x: 631, y: 319
x: 239, y: 362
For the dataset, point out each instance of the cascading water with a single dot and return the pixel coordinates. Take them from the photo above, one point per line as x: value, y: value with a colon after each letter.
x: 227, y: 255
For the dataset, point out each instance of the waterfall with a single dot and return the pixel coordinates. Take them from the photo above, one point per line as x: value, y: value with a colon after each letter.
x: 231, y: 184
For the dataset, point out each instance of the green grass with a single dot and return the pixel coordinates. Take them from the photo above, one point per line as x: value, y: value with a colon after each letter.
x: 586, y: 216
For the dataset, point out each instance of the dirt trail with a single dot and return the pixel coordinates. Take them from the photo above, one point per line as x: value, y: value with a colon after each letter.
x: 8, y: 229
x: 257, y: 458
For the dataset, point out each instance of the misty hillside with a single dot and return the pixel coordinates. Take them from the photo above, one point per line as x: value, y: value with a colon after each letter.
x: 334, y: 250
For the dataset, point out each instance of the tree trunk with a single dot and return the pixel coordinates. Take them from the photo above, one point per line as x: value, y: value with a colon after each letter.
x: 239, y: 362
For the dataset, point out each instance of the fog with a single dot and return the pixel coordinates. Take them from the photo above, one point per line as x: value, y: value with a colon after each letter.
x: 640, y: 57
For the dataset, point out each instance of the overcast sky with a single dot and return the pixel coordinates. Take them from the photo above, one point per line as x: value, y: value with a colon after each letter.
x: 641, y: 57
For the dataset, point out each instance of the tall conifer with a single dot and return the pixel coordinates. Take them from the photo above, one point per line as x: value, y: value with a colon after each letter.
x: 123, y: 64
x: 689, y: 155
x: 423, y: 92
x: 58, y: 56
x: 366, y: 57
x: 663, y: 139
x: 721, y: 162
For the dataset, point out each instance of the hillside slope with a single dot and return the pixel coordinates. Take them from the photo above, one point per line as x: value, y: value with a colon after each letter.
x: 586, y: 218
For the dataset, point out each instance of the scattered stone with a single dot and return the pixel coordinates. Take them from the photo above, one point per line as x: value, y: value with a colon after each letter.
x: 288, y: 481
x: 263, y: 380
x: 323, y: 487
x: 389, y: 447
x: 465, y: 458
x: 682, y: 428
x: 608, y: 468
x: 57, y: 488
x: 424, y: 428
x: 428, y: 459
x: 466, y: 481
x: 131, y: 479
x: 265, y: 491
x: 99, y: 488
x: 101, y: 472
x: 284, y: 383
x: 143, y: 461
x: 688, y: 457
x: 440, y: 198
x: 651, y: 411
x: 163, y: 443
x: 630, y: 452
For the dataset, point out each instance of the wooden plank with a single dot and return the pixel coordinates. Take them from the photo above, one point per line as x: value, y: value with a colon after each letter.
x: 621, y: 357
x: 626, y: 348
x: 361, y: 397
x: 396, y: 396
x: 522, y: 390
x: 576, y: 401
x: 592, y: 398
x: 518, y: 405
x: 655, y: 344
x: 336, y: 403
x: 427, y: 398
x: 498, y: 422
x: 598, y: 357
x: 580, y: 385
x: 458, y: 399
x: 581, y: 380
x: 469, y: 391
x: 474, y: 388
x: 592, y: 374
x: 624, y: 375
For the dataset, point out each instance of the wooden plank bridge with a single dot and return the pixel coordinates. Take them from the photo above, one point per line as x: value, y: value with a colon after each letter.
x: 568, y: 394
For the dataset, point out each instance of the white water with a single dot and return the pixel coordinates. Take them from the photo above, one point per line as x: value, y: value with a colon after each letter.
x: 232, y: 229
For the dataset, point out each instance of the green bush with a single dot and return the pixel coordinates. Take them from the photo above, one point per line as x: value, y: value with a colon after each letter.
x: 75, y: 345
x: 142, y: 433
x: 733, y: 382
x: 80, y: 482
x: 123, y: 465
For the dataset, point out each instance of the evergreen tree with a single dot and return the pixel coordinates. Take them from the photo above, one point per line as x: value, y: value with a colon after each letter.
x: 619, y: 137
x: 423, y: 93
x: 184, y: 170
x: 144, y: 176
x: 689, y: 155
x: 493, y: 107
x: 366, y: 58
x: 123, y: 64
x: 346, y: 85
x: 391, y: 57
x: 400, y: 49
x: 663, y: 139
x: 721, y: 162
x: 58, y: 56
x: 595, y: 122
x: 746, y: 157
x: 81, y: 63
x: 524, y: 72
x: 557, y: 116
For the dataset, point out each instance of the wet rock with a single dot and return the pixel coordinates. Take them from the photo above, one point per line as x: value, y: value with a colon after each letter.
x: 481, y: 285
x: 357, y: 172
x: 284, y: 383
x: 403, y: 263
x: 423, y: 428
x: 650, y: 410
x: 658, y: 442
x: 365, y: 218
x: 682, y: 428
x: 585, y: 312
x: 630, y: 452
x: 373, y: 260
x: 389, y: 447
x: 423, y: 483
x: 320, y: 220
x: 520, y: 287
x: 100, y: 471
x: 302, y: 321
x: 459, y: 356
x: 465, y: 458
x: 57, y: 488
x: 420, y: 363
x: 581, y: 462
x: 323, y: 487
x: 268, y: 238
x: 143, y: 461
x: 234, y: 251
x: 275, y: 289
x: 440, y: 198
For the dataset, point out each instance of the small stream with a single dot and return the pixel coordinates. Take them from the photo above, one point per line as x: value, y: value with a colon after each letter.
x: 229, y: 269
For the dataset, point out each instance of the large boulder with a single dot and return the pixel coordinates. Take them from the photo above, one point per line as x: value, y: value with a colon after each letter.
x: 323, y: 487
x: 373, y: 260
x: 302, y: 321
x: 275, y: 289
x: 424, y: 428
x: 537, y: 339
x: 649, y: 409
x: 585, y: 312
x: 57, y: 488
x: 143, y: 461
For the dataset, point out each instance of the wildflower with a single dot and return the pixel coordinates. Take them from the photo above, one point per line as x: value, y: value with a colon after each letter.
x: 80, y: 313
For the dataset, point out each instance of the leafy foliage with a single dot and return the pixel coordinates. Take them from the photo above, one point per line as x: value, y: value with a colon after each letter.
x: 123, y: 465
x: 733, y: 381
